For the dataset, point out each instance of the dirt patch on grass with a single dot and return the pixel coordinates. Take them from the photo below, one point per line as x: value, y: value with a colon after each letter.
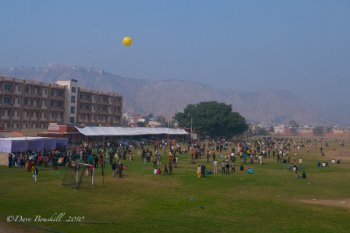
x: 344, y: 203
x: 344, y: 155
x: 9, y: 228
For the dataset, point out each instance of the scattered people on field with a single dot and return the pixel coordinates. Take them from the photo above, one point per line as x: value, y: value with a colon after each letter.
x: 300, y: 162
x: 250, y: 171
x: 241, y: 168
x: 35, y: 173
x: 114, y: 168
x: 155, y: 171
x: 303, y: 175
x: 120, y: 169
x: 170, y: 168
x: 203, y: 168
x: 223, y: 167
x: 296, y: 175
x: 199, y: 171
x: 233, y: 168
x: 318, y: 164
x: 232, y: 153
x: 215, y: 167
x: 166, y: 169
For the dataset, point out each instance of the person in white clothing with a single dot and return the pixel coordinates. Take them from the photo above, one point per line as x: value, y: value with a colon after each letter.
x: 215, y: 165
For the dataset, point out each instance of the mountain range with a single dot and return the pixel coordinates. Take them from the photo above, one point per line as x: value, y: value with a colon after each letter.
x: 167, y: 97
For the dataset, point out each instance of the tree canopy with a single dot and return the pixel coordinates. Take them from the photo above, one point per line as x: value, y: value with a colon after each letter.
x: 212, y: 119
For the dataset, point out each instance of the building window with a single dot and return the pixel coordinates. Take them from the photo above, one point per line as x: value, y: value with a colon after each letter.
x: 72, y: 109
x: 26, y: 89
x: 72, y: 99
x: 8, y: 87
x: 60, y: 104
x: 6, y: 100
x: 60, y: 92
x: 71, y: 120
x: 74, y: 89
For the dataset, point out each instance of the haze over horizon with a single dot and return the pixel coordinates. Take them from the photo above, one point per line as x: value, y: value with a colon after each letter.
x: 300, y: 46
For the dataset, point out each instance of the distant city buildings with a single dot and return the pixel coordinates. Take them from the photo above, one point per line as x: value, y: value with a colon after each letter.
x: 138, y: 120
x: 279, y: 129
x: 308, y: 131
x: 25, y: 104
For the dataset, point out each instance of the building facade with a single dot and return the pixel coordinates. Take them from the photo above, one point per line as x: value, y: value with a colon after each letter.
x: 26, y: 104
x: 95, y: 107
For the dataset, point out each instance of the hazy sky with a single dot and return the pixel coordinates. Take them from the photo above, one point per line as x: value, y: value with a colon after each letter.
x: 299, y: 45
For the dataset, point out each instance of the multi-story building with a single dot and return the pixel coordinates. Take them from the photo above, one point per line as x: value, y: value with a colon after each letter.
x: 89, y: 107
x: 26, y: 104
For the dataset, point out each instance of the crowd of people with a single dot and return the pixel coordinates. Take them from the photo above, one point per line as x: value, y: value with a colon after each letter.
x: 212, y: 156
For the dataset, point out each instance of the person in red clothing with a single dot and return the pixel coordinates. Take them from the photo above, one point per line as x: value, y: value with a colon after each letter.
x: 40, y: 159
x: 30, y: 165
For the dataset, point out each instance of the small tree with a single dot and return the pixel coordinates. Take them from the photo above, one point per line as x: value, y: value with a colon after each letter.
x: 212, y: 119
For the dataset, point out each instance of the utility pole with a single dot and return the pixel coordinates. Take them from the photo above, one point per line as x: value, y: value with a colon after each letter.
x: 191, y: 128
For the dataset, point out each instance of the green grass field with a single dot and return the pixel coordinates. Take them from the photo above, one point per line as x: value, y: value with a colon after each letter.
x: 270, y: 200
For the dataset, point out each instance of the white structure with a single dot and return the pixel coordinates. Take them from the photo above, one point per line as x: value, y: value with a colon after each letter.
x: 22, y: 144
x: 72, y: 100
x: 279, y: 129
x: 124, y: 131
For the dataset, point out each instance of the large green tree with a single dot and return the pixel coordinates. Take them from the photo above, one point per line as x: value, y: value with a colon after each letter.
x: 212, y: 119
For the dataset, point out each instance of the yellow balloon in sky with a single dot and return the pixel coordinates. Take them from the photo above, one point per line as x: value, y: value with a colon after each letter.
x: 127, y: 41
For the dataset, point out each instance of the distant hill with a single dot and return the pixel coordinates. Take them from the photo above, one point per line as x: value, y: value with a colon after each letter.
x: 167, y: 97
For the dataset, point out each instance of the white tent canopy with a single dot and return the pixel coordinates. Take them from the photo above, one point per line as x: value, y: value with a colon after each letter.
x: 22, y: 144
x: 123, y: 131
